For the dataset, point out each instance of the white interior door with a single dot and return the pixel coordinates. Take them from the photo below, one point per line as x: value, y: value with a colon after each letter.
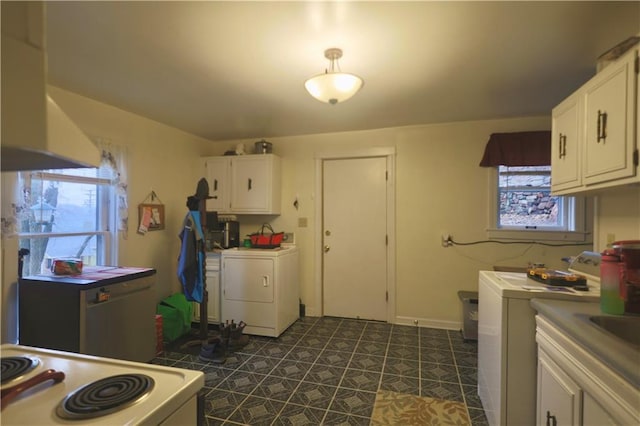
x: 355, y: 238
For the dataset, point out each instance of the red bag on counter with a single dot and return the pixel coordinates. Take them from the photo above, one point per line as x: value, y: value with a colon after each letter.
x: 261, y: 240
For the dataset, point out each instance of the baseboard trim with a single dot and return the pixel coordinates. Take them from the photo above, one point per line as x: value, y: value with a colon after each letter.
x: 420, y: 322
x: 427, y: 322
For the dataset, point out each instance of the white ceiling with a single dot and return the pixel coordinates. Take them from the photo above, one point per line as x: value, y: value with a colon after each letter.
x: 229, y: 70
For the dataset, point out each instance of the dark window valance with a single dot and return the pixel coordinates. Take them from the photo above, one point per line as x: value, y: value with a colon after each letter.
x: 518, y: 149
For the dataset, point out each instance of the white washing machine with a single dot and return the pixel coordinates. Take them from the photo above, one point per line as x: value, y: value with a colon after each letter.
x: 507, y: 352
x: 261, y: 288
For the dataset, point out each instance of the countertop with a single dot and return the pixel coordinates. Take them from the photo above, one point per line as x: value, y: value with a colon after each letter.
x: 573, y: 318
x: 92, y: 276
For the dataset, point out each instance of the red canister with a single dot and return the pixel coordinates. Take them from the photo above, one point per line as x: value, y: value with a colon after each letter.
x: 629, y: 253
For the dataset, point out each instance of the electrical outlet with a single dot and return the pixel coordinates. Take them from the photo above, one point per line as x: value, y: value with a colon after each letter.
x: 446, y: 240
x: 288, y: 238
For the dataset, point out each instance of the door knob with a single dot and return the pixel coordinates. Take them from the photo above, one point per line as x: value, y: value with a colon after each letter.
x: 327, y: 248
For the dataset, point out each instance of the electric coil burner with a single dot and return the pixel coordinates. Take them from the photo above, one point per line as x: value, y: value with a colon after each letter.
x: 105, y: 396
x: 16, y: 366
x: 96, y: 391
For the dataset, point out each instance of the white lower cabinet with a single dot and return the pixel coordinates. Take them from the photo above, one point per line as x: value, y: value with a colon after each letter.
x: 593, y: 414
x: 212, y: 278
x: 559, y: 397
x: 562, y: 402
x: 574, y: 388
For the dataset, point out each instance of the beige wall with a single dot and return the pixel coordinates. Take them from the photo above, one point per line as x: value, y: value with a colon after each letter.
x: 439, y: 187
x: 162, y: 159
x: 618, y: 216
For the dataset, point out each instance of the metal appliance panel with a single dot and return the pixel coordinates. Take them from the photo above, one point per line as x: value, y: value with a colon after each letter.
x: 124, y: 325
x: 114, y: 317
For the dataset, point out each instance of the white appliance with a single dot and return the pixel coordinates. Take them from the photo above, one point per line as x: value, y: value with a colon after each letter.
x: 260, y: 287
x: 152, y: 394
x: 506, y: 338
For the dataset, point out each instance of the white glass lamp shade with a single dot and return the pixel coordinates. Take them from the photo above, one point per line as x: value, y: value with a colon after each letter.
x: 333, y: 87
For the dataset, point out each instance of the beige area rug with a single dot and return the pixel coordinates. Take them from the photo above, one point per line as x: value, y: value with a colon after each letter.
x: 392, y: 408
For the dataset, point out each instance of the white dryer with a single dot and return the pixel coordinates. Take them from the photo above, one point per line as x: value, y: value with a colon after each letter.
x: 261, y: 288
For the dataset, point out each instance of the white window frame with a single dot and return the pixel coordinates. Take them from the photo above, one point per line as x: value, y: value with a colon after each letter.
x: 579, y: 216
x: 106, y: 210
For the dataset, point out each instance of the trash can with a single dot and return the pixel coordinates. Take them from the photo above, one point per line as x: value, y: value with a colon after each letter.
x: 469, y: 314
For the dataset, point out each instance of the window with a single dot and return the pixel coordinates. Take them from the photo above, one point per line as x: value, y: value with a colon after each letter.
x: 525, y: 200
x: 524, y: 207
x: 67, y: 213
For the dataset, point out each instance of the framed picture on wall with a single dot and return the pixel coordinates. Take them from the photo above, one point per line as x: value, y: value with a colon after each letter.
x: 151, y: 217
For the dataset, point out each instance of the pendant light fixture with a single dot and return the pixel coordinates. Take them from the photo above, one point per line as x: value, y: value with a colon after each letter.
x: 334, y: 85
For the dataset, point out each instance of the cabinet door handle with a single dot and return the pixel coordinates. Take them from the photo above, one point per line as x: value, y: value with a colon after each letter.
x: 265, y: 281
x: 249, y: 183
x: 215, y: 184
x: 551, y: 420
x: 562, y: 146
x: 602, y: 126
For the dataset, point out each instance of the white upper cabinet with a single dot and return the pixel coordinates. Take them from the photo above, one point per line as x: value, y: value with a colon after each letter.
x: 217, y: 172
x: 256, y: 184
x: 244, y: 184
x: 610, y: 122
x: 565, y: 139
x: 594, y: 143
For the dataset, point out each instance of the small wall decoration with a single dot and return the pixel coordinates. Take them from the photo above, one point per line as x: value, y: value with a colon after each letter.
x: 150, y: 214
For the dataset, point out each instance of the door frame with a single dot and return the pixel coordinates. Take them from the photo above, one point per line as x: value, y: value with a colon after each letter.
x: 390, y: 154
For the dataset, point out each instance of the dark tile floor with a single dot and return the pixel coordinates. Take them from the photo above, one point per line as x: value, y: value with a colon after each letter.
x: 328, y: 370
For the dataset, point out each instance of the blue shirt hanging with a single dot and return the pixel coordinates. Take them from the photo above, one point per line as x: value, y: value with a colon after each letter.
x: 191, y: 258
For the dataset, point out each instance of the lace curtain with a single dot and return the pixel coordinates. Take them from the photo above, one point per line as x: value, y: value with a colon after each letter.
x: 114, y: 157
x: 114, y: 161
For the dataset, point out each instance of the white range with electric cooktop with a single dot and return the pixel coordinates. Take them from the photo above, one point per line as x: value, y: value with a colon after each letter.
x: 507, y: 352
x: 74, y: 389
